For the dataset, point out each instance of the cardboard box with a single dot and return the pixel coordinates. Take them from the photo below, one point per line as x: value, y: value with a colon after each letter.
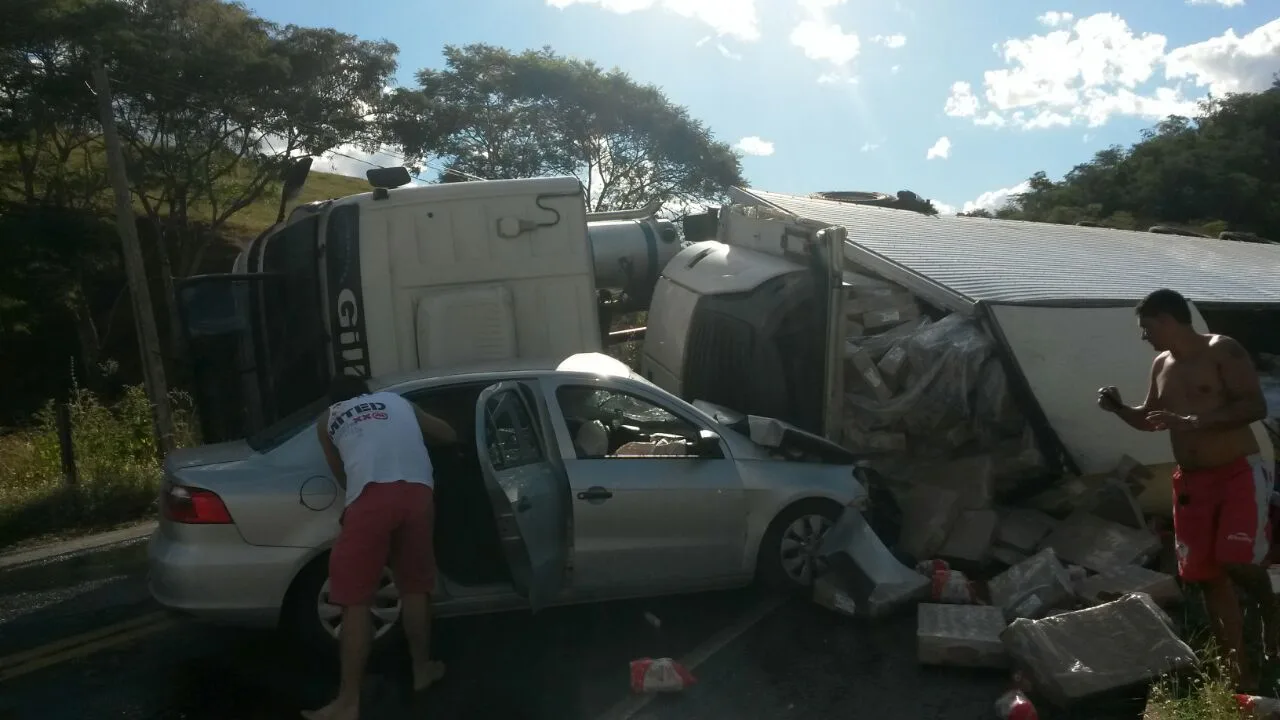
x: 1033, y: 587
x: 1099, y: 545
x: 1023, y: 529
x: 864, y: 375
x: 960, y: 636
x: 888, y: 317
x: 970, y: 538
x: 892, y: 367
x: 1118, y: 582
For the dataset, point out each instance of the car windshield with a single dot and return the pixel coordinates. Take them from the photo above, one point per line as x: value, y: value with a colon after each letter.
x: 614, y: 404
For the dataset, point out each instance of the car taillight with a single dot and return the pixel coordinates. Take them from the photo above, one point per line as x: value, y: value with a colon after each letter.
x: 193, y: 506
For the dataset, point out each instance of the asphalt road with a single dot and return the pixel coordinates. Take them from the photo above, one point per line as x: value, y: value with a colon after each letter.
x: 80, y: 638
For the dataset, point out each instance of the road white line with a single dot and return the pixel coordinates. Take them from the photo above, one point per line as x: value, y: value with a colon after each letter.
x: 625, y: 709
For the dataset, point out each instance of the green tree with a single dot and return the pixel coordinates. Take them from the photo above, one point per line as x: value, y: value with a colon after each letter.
x: 492, y: 113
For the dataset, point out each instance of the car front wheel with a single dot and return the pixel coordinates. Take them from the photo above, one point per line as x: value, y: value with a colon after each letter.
x: 788, y: 557
x: 317, y: 621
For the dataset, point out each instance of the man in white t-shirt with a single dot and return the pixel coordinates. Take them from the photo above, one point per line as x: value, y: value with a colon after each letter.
x: 375, y: 444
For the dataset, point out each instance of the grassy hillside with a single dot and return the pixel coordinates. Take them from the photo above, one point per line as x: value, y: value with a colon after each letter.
x: 246, y: 224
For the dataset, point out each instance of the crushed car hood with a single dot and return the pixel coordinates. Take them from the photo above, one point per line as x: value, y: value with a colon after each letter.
x: 779, y: 437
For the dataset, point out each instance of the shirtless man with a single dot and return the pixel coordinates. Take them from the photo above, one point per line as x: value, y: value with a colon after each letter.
x: 1204, y: 391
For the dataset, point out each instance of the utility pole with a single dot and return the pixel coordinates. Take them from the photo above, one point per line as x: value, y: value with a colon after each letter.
x: 135, y: 270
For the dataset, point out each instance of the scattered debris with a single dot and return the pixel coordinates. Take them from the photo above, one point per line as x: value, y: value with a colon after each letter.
x: 659, y: 675
x: 1088, y: 652
x: 1014, y: 705
x: 970, y: 538
x: 949, y: 586
x: 928, y: 514
x: 863, y: 572
x: 1033, y: 587
x: 960, y: 635
x: 1007, y: 556
x: 1089, y: 541
x: 1259, y: 708
x: 1117, y: 582
x: 1023, y: 529
x: 1115, y: 501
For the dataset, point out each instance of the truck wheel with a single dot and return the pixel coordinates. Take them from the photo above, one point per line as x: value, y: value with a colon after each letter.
x: 788, y: 558
x: 316, y: 622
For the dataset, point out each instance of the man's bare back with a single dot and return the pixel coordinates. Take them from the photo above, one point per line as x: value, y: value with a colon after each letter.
x: 1198, y: 386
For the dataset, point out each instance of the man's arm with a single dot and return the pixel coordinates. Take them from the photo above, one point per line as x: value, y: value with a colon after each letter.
x: 1136, y: 417
x: 433, y: 428
x: 331, y: 455
x: 1241, y: 389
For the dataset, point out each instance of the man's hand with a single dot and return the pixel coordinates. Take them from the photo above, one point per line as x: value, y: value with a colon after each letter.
x: 1109, y: 399
x: 1165, y: 420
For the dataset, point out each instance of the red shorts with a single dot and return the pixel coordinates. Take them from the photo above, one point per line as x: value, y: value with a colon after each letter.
x: 1221, y: 517
x: 389, y: 523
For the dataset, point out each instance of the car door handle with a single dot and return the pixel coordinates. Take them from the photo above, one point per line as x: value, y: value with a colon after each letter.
x: 595, y: 493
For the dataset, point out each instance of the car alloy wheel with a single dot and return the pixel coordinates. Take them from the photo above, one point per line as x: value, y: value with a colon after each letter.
x: 801, y: 541
x: 385, y: 608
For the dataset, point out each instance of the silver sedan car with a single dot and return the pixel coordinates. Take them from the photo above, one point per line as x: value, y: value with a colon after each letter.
x: 575, y: 483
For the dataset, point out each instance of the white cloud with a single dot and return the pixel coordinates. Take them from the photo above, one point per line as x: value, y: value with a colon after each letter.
x: 727, y: 52
x: 1099, y: 68
x: 894, y: 70
x: 753, y: 145
x: 940, y: 149
x: 890, y: 41
x: 1228, y: 63
x: 832, y: 78
x: 705, y: 39
x: 995, y: 199
x: 961, y: 102
x: 943, y: 208
x: 735, y: 18
x: 1223, y: 3
x: 1054, y: 18
x: 822, y: 39
x: 869, y: 146
x: 826, y: 41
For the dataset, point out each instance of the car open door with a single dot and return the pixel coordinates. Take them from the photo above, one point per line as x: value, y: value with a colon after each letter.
x: 529, y: 489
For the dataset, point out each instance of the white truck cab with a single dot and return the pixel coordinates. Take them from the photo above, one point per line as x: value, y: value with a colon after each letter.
x: 409, y: 278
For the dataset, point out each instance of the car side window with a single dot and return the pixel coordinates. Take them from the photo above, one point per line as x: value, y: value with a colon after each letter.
x: 609, y: 423
x: 510, y: 434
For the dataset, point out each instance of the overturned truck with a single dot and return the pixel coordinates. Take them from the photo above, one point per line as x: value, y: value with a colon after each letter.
x: 920, y: 340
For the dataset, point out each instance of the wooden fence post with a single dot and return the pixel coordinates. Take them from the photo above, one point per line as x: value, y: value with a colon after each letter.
x: 65, y: 444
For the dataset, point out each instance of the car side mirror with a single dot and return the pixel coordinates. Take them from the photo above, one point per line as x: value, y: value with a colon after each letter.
x: 707, y: 445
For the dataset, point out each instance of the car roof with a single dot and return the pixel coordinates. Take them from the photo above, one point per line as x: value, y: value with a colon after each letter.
x: 581, y: 364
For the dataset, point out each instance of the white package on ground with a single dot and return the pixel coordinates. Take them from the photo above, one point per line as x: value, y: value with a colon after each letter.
x: 1082, y: 654
x: 1099, y: 545
x: 1033, y: 587
x: 878, y: 582
x: 1116, y: 582
x: 960, y: 635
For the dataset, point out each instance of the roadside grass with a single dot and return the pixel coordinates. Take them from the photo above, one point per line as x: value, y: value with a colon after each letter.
x: 1206, y: 693
x: 118, y: 470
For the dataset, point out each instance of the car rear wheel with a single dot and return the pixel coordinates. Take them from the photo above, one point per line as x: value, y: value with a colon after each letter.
x: 788, y: 557
x: 317, y: 621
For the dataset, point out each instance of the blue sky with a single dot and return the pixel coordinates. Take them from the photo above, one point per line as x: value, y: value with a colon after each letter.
x: 957, y: 101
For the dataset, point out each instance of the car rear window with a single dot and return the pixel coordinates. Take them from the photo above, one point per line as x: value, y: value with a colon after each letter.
x: 286, y: 427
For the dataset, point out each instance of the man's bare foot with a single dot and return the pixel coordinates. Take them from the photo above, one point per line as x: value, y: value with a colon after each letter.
x: 426, y: 676
x: 335, y: 710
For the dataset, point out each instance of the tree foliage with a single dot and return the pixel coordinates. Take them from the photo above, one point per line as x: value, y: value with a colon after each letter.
x: 493, y: 114
x: 1215, y: 173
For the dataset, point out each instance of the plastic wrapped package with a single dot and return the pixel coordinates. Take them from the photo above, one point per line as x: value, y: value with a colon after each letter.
x: 942, y: 359
x: 1100, y: 545
x: 929, y: 513
x: 880, y: 343
x: 1033, y: 587
x: 1162, y: 587
x: 1090, y: 652
x: 960, y: 636
x: 995, y: 412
